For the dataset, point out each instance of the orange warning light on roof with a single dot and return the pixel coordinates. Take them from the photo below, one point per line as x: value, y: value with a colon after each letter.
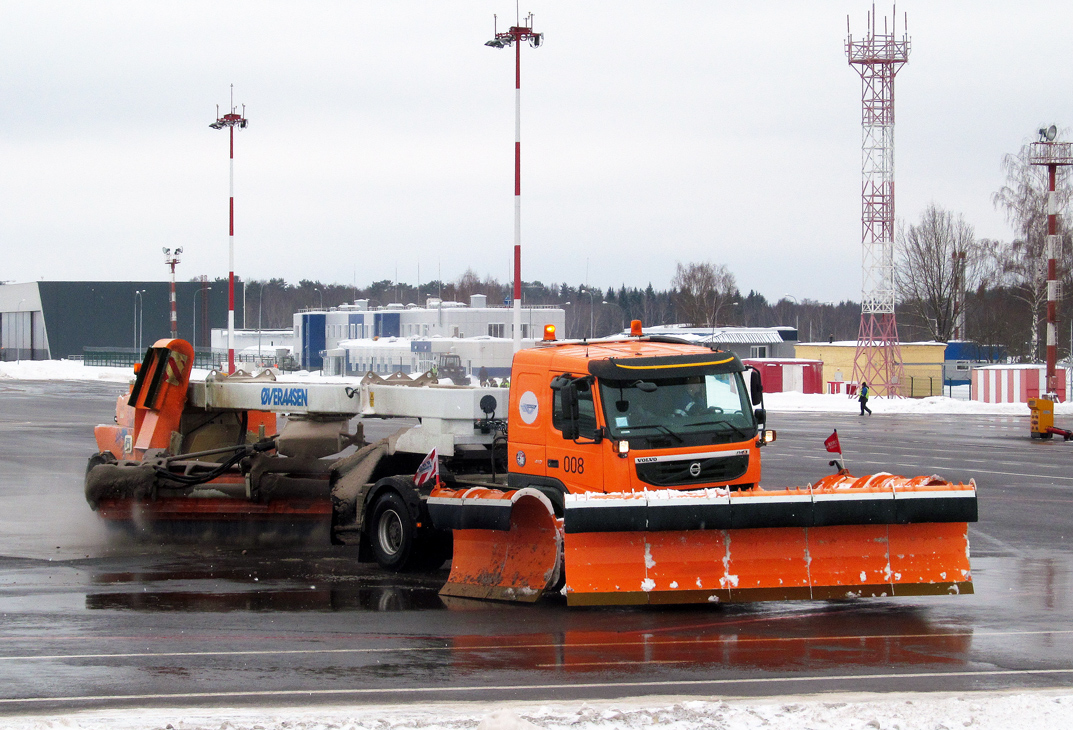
x: 549, y: 333
x: 635, y: 328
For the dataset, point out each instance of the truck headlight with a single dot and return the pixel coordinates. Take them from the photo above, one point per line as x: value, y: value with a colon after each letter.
x: 623, y: 448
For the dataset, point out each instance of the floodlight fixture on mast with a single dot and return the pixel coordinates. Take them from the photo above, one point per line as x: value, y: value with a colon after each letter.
x: 1052, y: 155
x: 172, y: 260
x: 515, y: 36
x: 229, y: 121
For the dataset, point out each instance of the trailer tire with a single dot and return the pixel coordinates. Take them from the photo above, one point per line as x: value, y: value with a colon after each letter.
x: 392, y: 533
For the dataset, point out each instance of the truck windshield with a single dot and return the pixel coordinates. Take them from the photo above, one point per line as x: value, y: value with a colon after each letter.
x: 710, y: 408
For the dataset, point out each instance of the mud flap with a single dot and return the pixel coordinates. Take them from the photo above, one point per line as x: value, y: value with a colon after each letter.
x: 516, y: 564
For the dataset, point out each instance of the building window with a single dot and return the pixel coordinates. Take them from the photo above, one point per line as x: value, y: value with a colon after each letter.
x: 496, y: 330
x: 758, y: 351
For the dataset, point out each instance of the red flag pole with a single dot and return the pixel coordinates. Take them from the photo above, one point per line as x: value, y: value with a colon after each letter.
x: 834, y: 446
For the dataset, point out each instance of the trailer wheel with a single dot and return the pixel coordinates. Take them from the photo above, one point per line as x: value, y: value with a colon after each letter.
x: 391, y: 532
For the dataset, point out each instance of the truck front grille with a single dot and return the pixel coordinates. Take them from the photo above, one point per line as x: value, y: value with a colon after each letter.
x: 677, y: 473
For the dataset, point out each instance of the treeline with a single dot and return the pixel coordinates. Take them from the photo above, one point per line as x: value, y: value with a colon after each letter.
x: 589, y: 311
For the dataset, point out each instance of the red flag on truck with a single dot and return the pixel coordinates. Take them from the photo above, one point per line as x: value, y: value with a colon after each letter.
x: 429, y: 469
x: 831, y: 442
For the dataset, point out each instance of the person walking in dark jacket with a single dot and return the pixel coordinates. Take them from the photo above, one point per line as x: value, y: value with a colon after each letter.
x: 863, y: 398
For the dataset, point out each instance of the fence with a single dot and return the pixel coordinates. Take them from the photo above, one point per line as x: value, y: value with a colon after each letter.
x: 921, y: 387
x: 204, y: 357
x: 125, y: 357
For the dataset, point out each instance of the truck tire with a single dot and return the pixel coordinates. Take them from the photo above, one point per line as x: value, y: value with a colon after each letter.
x: 392, y: 532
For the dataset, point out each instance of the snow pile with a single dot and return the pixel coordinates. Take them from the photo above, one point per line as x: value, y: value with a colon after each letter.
x: 938, y: 711
x: 823, y: 403
x: 62, y: 370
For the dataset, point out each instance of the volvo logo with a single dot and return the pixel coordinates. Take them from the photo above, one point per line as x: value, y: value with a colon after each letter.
x: 694, y: 469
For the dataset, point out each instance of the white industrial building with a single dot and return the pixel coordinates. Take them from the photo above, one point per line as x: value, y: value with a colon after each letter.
x: 745, y: 342
x: 409, y: 337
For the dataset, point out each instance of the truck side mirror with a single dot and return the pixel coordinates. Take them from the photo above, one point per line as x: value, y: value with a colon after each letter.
x: 760, y: 415
x: 756, y: 387
x: 568, y: 393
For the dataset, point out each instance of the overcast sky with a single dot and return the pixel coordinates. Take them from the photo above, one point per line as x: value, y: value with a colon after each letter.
x: 381, y: 136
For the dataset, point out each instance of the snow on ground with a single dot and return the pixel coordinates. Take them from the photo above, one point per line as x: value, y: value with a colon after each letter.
x: 61, y: 370
x: 775, y: 402
x: 904, y: 711
x: 822, y: 403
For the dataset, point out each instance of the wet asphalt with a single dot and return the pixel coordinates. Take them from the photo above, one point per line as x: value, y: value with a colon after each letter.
x: 92, y: 619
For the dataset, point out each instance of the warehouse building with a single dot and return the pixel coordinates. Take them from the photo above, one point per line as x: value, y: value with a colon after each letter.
x: 45, y: 320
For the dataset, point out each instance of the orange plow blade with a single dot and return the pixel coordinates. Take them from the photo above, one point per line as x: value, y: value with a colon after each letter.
x: 507, y: 545
x: 844, y: 537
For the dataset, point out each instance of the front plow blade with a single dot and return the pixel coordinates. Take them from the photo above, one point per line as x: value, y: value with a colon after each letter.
x: 516, y: 562
x: 846, y: 538
x: 766, y: 564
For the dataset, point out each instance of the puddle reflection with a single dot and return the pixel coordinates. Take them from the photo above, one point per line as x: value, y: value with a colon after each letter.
x: 837, y: 640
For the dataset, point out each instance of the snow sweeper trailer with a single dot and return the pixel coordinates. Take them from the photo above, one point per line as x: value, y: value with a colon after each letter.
x: 618, y: 471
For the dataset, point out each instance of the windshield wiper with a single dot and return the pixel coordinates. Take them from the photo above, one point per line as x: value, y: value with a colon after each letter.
x: 660, y: 426
x: 728, y: 424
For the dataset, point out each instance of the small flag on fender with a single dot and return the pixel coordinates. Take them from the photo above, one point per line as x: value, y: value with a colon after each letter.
x: 429, y: 469
x: 831, y: 442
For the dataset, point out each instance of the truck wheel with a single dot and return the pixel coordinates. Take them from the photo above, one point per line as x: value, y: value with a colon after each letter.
x: 391, y: 532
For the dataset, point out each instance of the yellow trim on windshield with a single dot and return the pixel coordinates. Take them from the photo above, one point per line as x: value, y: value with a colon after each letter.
x: 680, y: 365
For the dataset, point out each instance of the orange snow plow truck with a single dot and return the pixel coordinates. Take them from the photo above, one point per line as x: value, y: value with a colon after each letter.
x: 632, y: 477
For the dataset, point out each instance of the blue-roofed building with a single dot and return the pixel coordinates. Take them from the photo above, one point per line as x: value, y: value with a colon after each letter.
x: 962, y: 355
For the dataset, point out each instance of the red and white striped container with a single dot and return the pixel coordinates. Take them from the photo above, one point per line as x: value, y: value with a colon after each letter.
x: 784, y: 375
x: 1013, y: 383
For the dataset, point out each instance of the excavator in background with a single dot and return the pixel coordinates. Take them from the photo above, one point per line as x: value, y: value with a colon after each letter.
x: 614, y: 471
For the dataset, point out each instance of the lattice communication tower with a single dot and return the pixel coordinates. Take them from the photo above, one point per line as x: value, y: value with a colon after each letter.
x: 877, y: 58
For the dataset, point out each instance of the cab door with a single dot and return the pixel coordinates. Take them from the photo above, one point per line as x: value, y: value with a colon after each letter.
x: 577, y: 463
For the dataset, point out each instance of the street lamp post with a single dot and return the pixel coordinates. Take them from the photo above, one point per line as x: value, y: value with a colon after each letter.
x: 231, y: 120
x: 592, y: 305
x: 260, y: 298
x: 139, y: 311
x: 21, y: 333
x: 514, y: 37
x: 797, y: 314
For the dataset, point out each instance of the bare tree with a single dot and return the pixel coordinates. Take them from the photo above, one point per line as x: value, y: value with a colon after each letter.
x: 702, y: 291
x: 938, y: 260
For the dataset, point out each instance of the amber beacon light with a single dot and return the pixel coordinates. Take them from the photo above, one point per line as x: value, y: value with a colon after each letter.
x: 549, y: 333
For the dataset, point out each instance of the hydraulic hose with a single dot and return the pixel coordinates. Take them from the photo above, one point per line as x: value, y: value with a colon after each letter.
x: 241, y: 452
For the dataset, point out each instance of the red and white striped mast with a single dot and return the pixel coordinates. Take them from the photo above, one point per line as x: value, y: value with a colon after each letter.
x: 171, y: 261
x: 231, y: 120
x: 515, y: 36
x: 1053, y: 155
